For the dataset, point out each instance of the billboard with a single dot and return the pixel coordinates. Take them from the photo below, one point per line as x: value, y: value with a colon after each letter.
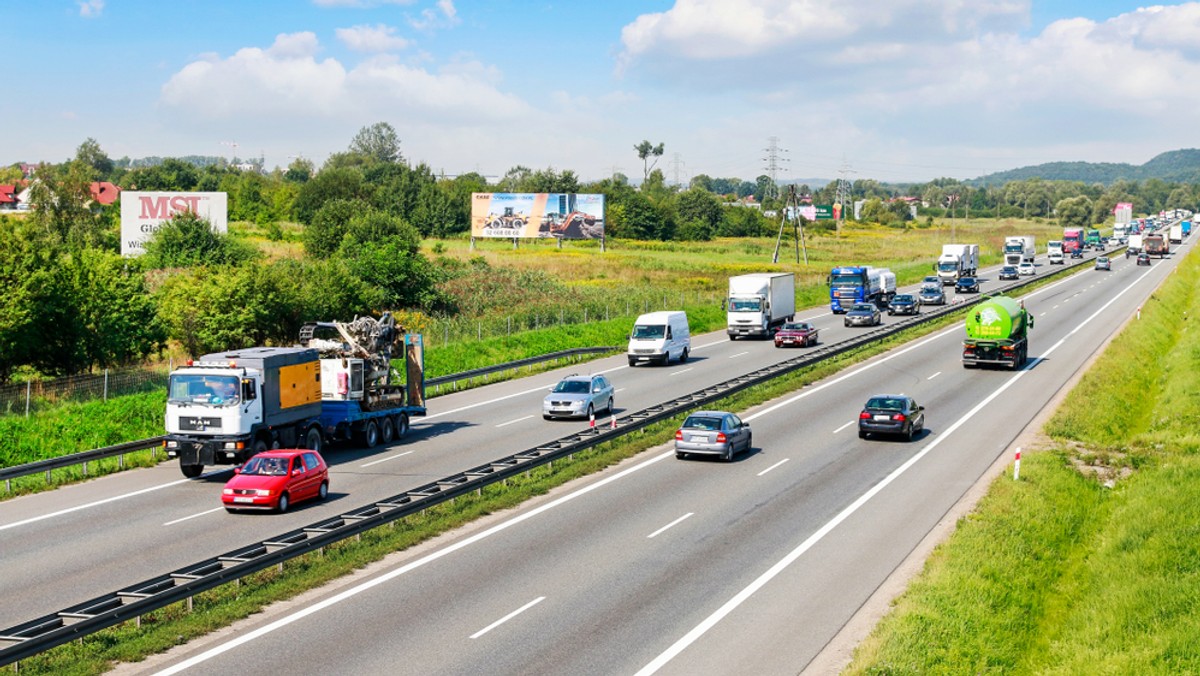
x: 561, y: 215
x: 142, y: 213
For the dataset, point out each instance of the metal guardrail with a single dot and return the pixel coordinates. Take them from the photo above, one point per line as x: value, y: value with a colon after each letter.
x: 7, y: 474
x: 35, y: 636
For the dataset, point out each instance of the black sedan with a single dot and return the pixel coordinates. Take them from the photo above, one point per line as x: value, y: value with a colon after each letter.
x: 891, y: 414
x: 1143, y: 258
x: 967, y: 285
x: 904, y: 304
x: 933, y: 295
x: 1009, y: 272
x: 863, y: 314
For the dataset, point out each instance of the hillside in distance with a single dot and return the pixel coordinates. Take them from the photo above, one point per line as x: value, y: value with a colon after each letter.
x: 1175, y: 165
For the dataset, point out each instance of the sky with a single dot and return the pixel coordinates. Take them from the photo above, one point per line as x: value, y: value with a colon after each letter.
x: 891, y: 90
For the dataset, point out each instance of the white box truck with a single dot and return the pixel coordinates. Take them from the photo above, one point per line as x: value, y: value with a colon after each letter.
x: 1054, y: 252
x: 1019, y: 249
x: 759, y: 303
x: 957, y: 260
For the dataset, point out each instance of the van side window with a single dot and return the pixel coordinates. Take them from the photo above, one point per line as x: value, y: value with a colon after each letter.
x: 668, y: 333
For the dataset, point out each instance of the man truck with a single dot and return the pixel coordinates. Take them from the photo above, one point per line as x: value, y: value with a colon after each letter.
x: 759, y: 303
x: 1019, y: 250
x: 997, y: 334
x: 957, y: 260
x: 1072, y: 240
x: 850, y: 284
x: 227, y: 406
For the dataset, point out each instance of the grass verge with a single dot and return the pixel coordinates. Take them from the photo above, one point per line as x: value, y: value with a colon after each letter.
x: 1091, y: 562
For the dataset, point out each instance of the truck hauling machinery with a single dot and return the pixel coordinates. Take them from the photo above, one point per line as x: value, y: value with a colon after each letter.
x: 759, y: 303
x: 957, y: 260
x: 227, y: 406
x: 997, y: 333
x: 850, y: 284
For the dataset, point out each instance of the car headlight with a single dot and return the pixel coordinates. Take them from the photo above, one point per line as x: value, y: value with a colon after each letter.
x: 262, y: 492
x: 228, y: 491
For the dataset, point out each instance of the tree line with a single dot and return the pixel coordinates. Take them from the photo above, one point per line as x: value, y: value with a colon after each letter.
x: 73, y: 304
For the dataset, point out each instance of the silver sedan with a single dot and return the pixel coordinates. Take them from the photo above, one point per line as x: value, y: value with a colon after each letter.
x: 718, y: 433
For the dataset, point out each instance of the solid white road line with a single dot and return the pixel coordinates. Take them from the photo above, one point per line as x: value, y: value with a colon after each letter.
x: 391, y: 457
x: 675, y: 373
x: 508, y: 617
x: 844, y: 426
x: 172, y: 523
x: 510, y: 422
x: 676, y: 522
x: 773, y: 466
x: 934, y: 375
x: 107, y: 500
x: 711, y: 621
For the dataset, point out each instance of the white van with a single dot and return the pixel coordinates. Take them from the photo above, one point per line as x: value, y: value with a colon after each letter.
x: 659, y: 337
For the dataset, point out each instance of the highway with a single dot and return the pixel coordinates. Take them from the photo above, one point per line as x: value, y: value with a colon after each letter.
x: 684, y: 567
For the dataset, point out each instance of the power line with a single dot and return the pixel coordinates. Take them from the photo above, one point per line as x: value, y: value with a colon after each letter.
x: 774, y: 160
x: 676, y: 163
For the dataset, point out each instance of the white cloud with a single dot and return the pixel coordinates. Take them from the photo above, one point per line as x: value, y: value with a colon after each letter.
x: 288, y: 82
x: 445, y: 16
x: 89, y: 9
x: 377, y: 38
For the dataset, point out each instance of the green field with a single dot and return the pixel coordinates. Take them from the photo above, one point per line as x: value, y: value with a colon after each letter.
x: 1091, y: 562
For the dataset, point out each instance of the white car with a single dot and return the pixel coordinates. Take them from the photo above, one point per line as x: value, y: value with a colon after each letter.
x: 1026, y: 269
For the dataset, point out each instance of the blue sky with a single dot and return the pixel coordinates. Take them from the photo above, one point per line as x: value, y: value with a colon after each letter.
x: 894, y: 90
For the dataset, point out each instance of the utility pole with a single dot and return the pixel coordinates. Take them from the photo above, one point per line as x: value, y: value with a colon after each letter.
x: 676, y: 163
x: 843, y: 193
x: 234, y: 145
x: 791, y: 209
x: 773, y: 160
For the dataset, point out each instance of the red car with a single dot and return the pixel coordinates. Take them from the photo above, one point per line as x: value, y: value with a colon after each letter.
x: 796, y: 333
x: 276, y: 479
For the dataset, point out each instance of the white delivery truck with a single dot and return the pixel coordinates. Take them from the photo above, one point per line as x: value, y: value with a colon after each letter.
x: 659, y: 337
x: 759, y: 303
x: 1176, y: 234
x: 957, y: 260
x: 1135, y: 245
x: 1054, y: 252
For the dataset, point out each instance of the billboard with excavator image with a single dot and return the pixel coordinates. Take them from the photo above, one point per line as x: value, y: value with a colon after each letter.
x: 534, y: 215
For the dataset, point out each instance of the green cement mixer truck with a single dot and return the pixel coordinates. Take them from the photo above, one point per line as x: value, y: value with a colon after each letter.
x: 997, y: 333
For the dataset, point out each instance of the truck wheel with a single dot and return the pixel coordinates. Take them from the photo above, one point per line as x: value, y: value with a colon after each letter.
x: 683, y: 356
x: 387, y: 430
x: 401, y: 425
x: 313, y: 440
x: 191, y: 471
x: 371, y: 434
x: 260, y: 446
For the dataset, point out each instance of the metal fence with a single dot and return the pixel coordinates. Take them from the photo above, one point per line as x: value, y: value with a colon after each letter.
x: 24, y: 398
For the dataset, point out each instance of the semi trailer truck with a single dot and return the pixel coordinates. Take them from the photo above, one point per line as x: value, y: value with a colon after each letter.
x: 957, y: 260
x: 997, y: 334
x: 850, y: 284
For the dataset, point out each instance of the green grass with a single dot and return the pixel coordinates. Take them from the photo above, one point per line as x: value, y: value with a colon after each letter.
x: 1091, y: 562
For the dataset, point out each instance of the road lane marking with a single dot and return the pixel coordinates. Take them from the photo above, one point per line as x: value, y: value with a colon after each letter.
x: 844, y: 426
x: 1042, y: 315
x: 676, y: 522
x: 773, y: 466
x: 172, y: 523
x: 739, y: 354
x: 508, y: 617
x: 392, y: 457
x: 934, y: 375
x: 675, y: 373
x: 739, y: 598
x: 108, y: 500
x: 510, y: 422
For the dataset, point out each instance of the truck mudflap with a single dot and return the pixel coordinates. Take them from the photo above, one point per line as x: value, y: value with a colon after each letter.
x: 1010, y: 355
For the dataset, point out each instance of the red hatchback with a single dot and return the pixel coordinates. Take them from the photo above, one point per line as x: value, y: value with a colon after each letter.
x: 276, y: 479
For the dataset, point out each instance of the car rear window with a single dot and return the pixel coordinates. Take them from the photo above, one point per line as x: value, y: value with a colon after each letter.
x: 702, y: 423
x: 886, y: 404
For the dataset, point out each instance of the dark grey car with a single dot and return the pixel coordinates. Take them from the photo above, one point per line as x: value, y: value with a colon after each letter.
x: 718, y: 433
x: 967, y: 285
x: 933, y: 295
x: 904, y: 304
x: 891, y: 414
x: 863, y: 314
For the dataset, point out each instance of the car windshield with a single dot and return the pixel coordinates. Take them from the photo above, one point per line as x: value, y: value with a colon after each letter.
x: 862, y: 307
x: 702, y: 422
x: 649, y: 331
x: 902, y: 299
x: 266, y: 466
x: 573, y: 386
x: 930, y: 291
x: 967, y: 281
x: 1010, y: 269
x: 886, y: 403
x: 209, y: 390
x: 795, y: 327
x: 745, y: 305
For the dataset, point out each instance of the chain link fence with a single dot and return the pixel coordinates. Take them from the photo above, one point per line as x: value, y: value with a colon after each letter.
x: 25, y: 398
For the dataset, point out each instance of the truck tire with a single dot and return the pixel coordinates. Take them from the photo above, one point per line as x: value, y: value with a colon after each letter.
x: 387, y: 430
x: 401, y: 426
x: 191, y: 471
x: 313, y: 439
x: 683, y: 357
x: 260, y: 445
x: 371, y: 434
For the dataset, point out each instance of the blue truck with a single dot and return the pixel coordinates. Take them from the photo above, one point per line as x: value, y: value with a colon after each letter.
x: 850, y: 284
